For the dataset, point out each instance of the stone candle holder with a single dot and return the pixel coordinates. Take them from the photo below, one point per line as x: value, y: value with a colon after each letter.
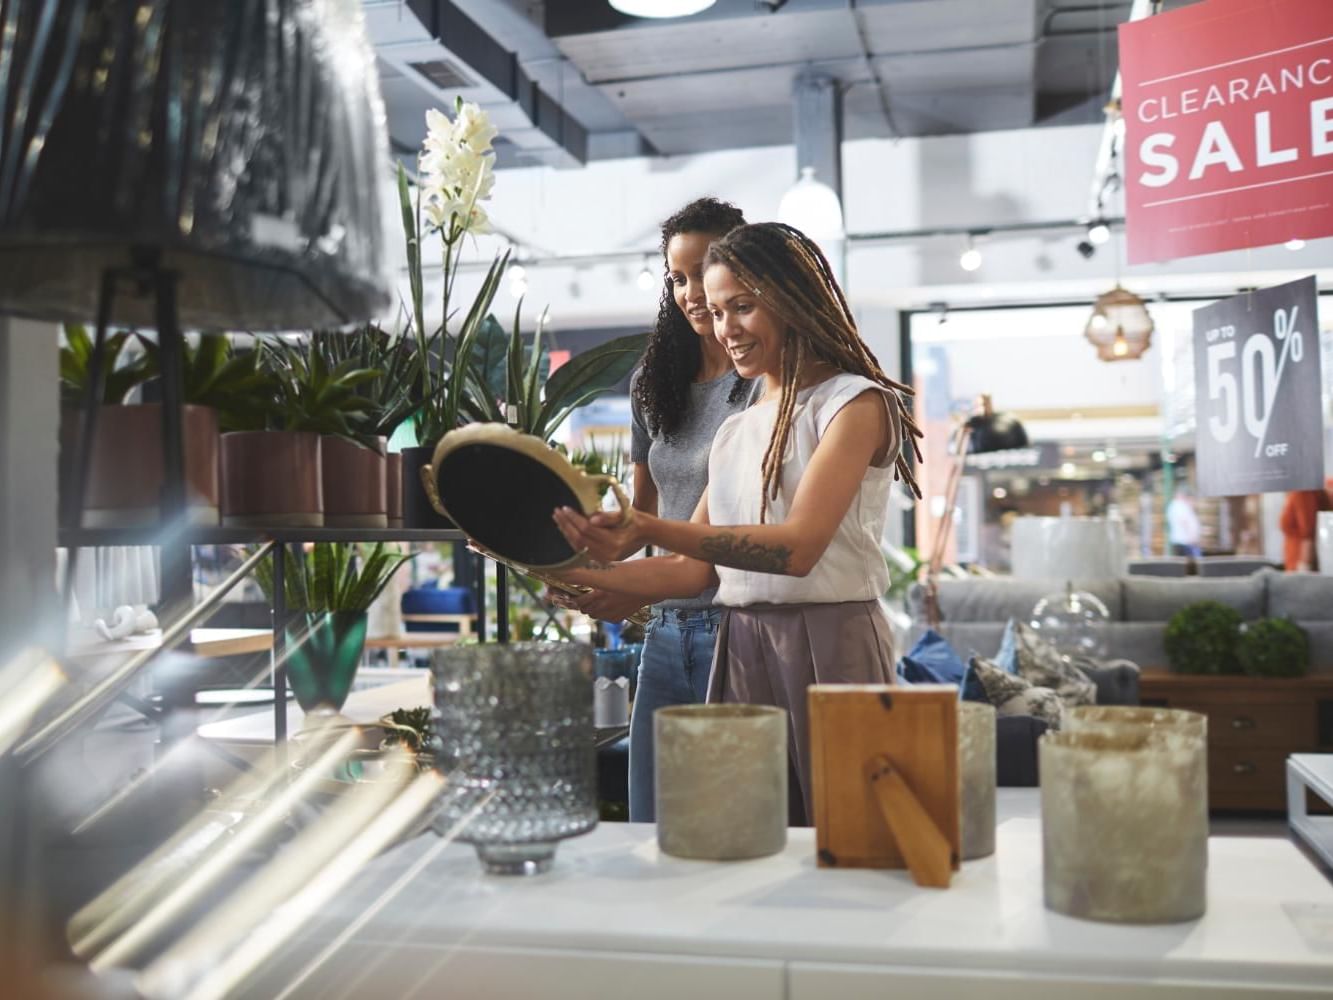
x: 1124, y: 813
x: 721, y: 781
x: 976, y: 778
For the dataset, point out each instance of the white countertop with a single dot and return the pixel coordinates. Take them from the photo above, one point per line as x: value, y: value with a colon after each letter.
x: 362, y: 706
x: 612, y: 897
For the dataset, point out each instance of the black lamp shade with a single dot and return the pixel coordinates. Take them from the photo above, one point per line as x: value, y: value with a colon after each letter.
x: 240, y: 143
x: 996, y: 432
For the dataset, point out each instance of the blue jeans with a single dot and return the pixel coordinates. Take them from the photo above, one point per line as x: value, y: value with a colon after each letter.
x: 677, y: 655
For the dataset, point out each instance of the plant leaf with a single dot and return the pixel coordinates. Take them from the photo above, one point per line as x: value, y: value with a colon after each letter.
x: 586, y: 376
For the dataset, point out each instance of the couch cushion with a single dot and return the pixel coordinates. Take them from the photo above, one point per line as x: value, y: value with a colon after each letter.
x: 971, y: 639
x: 1117, y: 680
x: 997, y: 599
x: 1150, y: 599
x: 1141, y: 642
x: 1300, y: 596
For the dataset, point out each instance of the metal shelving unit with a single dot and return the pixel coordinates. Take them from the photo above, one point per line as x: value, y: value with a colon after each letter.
x: 280, y: 538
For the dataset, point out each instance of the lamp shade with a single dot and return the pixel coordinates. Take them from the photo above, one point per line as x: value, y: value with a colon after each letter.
x: 240, y: 145
x: 813, y: 207
x: 1120, y: 326
x: 994, y: 431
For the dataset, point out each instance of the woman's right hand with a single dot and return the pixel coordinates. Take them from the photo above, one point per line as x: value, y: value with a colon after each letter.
x: 600, y: 604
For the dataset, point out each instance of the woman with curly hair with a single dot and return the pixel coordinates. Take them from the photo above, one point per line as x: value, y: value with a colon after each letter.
x: 797, y: 494
x: 679, y: 396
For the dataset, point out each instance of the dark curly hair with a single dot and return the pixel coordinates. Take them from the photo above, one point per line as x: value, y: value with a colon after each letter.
x: 672, y: 357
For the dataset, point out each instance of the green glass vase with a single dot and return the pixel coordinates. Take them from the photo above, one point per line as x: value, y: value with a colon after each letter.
x: 323, y: 652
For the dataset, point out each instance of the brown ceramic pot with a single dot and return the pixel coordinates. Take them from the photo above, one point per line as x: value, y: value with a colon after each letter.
x: 354, y: 488
x: 271, y: 479
x: 124, y: 486
x: 393, y: 488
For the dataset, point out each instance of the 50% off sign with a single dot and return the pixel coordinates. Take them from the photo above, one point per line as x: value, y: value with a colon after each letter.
x: 1257, y: 392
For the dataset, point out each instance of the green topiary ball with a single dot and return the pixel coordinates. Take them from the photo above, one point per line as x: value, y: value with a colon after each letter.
x: 1273, y: 647
x: 1201, y: 638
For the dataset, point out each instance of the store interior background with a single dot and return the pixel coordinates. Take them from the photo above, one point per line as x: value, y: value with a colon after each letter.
x: 939, y: 148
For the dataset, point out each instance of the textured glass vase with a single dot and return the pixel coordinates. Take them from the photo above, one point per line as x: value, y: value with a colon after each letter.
x: 514, y: 723
x: 1124, y: 816
x: 323, y: 652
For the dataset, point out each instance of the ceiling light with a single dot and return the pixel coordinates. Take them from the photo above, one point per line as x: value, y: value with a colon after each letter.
x: 1120, y: 326
x: 813, y: 207
x: 1099, y: 232
x: 1295, y: 244
x: 999, y: 493
x: 1099, y: 456
x: 661, y: 8
x: 1068, y: 469
x: 970, y: 259
x: 517, y: 272
x: 518, y: 282
x: 647, y: 280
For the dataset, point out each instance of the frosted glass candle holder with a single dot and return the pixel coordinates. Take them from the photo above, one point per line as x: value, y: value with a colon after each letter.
x: 1124, y: 816
x: 976, y: 778
x: 1102, y: 716
x: 721, y: 781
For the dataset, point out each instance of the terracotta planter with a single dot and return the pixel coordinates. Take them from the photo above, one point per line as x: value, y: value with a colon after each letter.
x: 354, y: 490
x: 271, y: 479
x: 417, y: 509
x: 124, y: 485
x: 393, y: 488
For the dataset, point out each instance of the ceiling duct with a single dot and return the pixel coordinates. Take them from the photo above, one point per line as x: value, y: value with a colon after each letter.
x: 430, y: 52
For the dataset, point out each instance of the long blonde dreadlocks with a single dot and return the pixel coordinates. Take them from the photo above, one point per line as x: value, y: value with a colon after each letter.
x: 792, y: 277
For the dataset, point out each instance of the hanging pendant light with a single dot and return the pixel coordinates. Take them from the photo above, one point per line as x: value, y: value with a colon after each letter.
x: 1120, y: 326
x: 813, y: 207
x: 661, y: 8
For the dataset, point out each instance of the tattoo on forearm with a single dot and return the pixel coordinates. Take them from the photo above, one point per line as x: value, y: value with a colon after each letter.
x: 738, y: 552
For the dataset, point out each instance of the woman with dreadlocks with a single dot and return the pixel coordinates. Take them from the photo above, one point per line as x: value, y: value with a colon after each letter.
x: 679, y: 397
x: 789, y: 527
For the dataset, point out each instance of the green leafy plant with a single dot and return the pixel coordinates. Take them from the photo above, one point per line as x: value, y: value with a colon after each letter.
x: 76, y: 359
x: 410, y: 727
x: 1273, y: 647
x: 904, y: 570
x: 390, y: 397
x: 299, y: 391
x: 216, y: 375
x: 332, y: 576
x: 1201, y: 638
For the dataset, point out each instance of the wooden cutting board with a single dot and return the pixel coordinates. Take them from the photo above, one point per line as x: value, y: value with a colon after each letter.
x: 884, y: 763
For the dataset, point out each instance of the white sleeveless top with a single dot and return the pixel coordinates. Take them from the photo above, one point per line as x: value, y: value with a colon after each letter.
x: 852, y: 568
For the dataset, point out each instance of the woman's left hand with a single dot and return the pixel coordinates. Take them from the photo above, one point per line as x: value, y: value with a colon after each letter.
x: 604, y: 536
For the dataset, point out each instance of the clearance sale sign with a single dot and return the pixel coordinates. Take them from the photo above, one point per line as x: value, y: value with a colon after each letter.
x: 1228, y: 109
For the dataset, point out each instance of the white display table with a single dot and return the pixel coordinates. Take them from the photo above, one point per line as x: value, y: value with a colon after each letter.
x: 1313, y: 771
x: 615, y: 918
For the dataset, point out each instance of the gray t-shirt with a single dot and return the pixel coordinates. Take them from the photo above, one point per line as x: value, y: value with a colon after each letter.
x: 680, y: 465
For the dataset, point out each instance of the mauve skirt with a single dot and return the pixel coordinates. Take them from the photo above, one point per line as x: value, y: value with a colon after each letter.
x: 768, y: 654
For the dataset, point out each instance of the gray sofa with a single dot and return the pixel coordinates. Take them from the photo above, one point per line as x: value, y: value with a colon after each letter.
x: 975, y: 610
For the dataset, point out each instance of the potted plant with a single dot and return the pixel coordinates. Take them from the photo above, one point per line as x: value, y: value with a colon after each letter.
x: 125, y: 479
x: 371, y: 480
x: 272, y: 472
x: 1273, y: 647
x: 1201, y: 638
x: 327, y: 589
x: 456, y: 174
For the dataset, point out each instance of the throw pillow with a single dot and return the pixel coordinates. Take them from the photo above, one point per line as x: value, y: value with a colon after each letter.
x: 1006, y: 658
x: 1040, y: 663
x: 932, y: 661
x: 1012, y: 694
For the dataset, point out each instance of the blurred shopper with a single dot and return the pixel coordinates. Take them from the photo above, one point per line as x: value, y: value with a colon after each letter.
x: 1298, y: 523
x: 1182, y: 524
